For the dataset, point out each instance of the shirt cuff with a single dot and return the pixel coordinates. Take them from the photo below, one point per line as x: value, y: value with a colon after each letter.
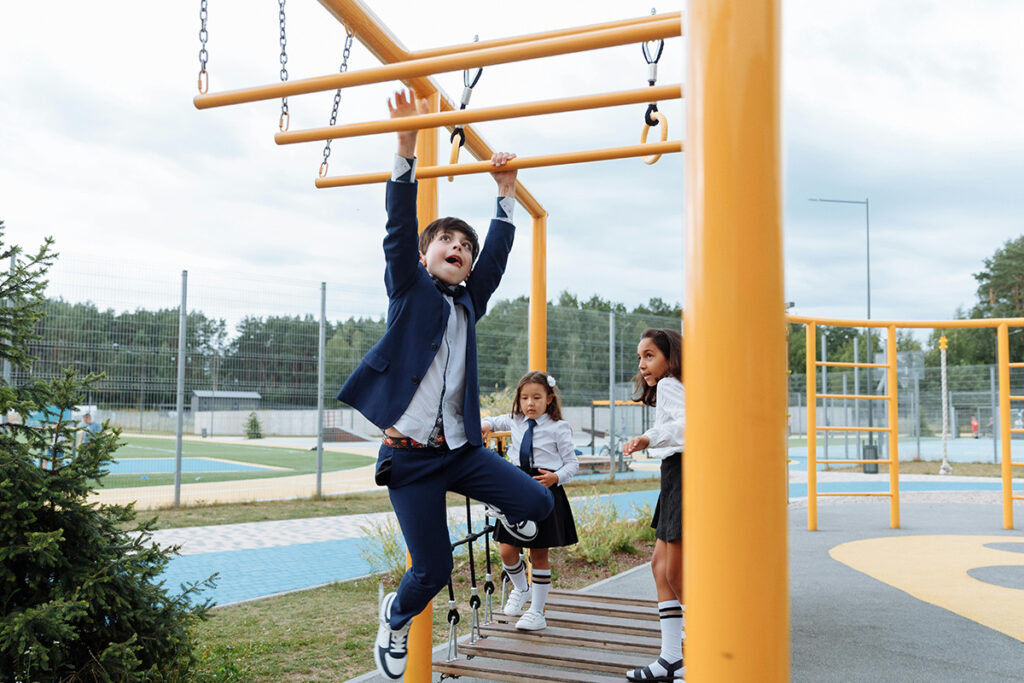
x: 404, y: 170
x: 503, y: 209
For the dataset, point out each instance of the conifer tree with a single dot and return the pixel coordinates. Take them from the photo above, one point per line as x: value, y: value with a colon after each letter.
x: 80, y: 596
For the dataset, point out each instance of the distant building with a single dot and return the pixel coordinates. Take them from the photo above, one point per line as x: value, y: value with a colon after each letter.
x: 225, y: 400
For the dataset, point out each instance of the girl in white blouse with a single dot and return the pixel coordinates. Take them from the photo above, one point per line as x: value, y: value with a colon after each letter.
x: 659, y: 383
x: 542, y: 446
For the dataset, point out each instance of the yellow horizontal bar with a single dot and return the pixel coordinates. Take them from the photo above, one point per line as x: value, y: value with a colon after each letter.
x: 1017, y: 431
x: 852, y: 429
x: 618, y: 403
x: 1017, y: 398
x: 558, y: 33
x: 1016, y: 365
x: 852, y: 462
x: 1017, y: 464
x: 840, y: 364
x: 664, y: 28
x: 886, y: 493
x: 912, y: 324
x: 855, y: 396
x: 517, y: 163
x: 465, y: 116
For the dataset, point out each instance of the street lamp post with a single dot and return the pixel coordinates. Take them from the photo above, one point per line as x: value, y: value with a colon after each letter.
x: 867, y: 238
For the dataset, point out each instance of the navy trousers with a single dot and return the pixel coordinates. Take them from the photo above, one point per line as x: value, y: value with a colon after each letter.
x: 420, y: 479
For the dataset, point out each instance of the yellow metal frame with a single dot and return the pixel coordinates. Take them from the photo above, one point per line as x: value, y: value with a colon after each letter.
x: 1001, y: 326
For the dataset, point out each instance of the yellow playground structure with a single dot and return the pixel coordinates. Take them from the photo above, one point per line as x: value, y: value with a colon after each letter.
x: 736, y: 567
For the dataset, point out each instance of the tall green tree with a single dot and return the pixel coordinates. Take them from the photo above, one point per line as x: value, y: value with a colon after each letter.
x: 81, y: 595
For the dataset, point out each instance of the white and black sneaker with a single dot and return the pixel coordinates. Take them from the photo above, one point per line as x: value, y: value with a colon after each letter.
x: 524, y: 531
x: 391, y: 648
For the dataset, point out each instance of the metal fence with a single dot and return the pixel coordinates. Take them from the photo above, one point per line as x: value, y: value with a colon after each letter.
x: 252, y: 357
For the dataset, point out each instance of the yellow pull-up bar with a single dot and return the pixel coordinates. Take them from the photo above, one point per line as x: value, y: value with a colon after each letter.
x: 558, y: 33
x: 669, y: 147
x: 464, y: 116
x: 664, y: 28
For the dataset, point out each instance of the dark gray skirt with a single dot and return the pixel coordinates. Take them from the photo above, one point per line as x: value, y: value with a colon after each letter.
x: 556, y: 530
x: 668, y: 513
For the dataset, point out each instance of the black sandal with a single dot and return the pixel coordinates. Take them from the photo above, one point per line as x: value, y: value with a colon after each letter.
x: 645, y: 674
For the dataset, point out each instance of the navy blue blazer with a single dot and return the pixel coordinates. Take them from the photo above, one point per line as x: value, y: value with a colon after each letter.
x: 383, y: 384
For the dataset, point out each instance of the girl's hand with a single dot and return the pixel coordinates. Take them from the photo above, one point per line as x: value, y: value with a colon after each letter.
x: 635, y: 444
x: 485, y: 429
x: 549, y: 479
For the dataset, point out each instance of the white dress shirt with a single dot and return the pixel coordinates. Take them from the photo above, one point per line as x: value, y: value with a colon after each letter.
x: 553, y: 449
x: 442, y: 387
x: 666, y: 435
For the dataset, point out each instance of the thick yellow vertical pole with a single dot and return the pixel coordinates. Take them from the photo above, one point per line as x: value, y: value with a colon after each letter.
x: 1003, y: 336
x: 812, y: 427
x: 539, y: 296
x: 736, y: 581
x: 892, y: 382
x: 418, y: 666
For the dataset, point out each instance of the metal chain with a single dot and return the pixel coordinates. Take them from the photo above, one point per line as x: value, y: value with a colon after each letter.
x: 285, y: 117
x: 337, y: 97
x: 204, y: 56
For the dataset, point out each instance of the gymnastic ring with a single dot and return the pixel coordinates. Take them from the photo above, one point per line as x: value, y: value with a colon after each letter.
x: 659, y: 118
x: 456, y: 146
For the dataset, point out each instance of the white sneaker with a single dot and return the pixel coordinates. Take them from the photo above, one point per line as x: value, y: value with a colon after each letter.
x: 532, y: 620
x: 517, y: 599
x: 524, y: 531
x: 391, y: 647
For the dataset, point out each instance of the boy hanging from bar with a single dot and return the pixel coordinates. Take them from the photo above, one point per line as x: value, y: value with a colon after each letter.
x: 419, y: 385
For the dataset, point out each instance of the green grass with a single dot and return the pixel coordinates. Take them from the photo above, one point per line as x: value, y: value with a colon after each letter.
x: 292, y: 461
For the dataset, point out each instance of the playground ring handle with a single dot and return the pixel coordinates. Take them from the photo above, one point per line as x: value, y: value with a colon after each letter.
x: 658, y: 118
x: 458, y: 140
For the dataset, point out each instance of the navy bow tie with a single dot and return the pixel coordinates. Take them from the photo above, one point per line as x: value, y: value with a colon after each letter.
x: 449, y: 290
x: 526, y: 447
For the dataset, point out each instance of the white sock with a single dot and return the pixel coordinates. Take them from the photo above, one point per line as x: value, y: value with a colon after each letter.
x: 517, y: 575
x: 671, y: 613
x: 541, y: 586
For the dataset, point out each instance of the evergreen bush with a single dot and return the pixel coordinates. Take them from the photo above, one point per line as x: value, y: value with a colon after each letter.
x: 79, y: 581
x: 253, y: 430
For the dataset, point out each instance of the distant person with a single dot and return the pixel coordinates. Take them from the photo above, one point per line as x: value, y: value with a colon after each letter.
x: 542, y: 442
x: 659, y: 383
x: 89, y: 428
x: 419, y: 385
x: 974, y: 426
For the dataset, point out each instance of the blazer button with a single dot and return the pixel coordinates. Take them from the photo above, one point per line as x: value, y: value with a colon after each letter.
x: 433, y: 347
x: 415, y: 380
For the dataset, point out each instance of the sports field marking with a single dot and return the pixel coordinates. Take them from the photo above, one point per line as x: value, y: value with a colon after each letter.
x: 935, y: 569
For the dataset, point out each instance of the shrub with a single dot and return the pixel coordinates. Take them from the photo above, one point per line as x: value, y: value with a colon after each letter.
x: 253, y: 430
x: 81, y: 597
x: 603, y: 531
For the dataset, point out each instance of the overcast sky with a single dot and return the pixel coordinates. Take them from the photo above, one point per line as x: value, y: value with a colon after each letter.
x: 915, y: 105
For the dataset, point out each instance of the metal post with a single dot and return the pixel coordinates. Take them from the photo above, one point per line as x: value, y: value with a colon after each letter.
x: 846, y: 421
x: 917, y: 414
x: 611, y: 395
x: 182, y: 321
x: 824, y: 390
x: 1006, y: 464
x: 893, y: 420
x: 321, y: 358
x: 856, y: 391
x: 944, y: 468
x: 7, y: 362
x: 735, y: 584
x: 538, y: 313
x: 995, y: 413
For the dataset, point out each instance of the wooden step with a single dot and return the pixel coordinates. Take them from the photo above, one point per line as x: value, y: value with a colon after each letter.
x: 502, y: 670
x: 597, y: 606
x: 650, y: 645
x: 592, y: 597
x: 592, y: 622
x: 585, y: 659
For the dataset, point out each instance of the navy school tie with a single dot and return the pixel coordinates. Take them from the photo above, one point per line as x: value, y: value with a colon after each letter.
x: 526, y: 447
